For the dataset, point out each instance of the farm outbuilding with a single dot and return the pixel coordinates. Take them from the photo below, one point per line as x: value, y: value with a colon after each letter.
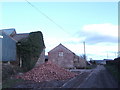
x: 20, y: 36
x: 79, y: 62
x: 65, y: 57
x: 7, y: 46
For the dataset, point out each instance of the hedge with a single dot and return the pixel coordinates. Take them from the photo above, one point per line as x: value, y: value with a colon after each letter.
x: 115, y: 62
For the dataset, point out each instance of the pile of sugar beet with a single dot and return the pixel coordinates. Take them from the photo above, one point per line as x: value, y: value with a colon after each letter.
x: 46, y: 72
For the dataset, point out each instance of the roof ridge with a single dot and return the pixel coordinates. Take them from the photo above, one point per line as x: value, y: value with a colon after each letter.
x: 21, y: 33
x: 9, y: 36
x: 64, y: 47
x: 8, y: 29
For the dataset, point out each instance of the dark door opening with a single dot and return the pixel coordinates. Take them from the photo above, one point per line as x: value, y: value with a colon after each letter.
x: 46, y: 60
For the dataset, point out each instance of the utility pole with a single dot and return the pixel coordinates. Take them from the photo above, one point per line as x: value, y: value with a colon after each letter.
x: 107, y: 55
x: 118, y: 54
x: 115, y: 55
x: 84, y: 50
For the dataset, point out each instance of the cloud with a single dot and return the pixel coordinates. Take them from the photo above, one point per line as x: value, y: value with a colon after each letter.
x: 100, y: 39
x: 95, y: 51
x: 69, y: 40
x: 71, y: 43
x: 100, y: 50
x: 98, y: 33
x: 104, y: 29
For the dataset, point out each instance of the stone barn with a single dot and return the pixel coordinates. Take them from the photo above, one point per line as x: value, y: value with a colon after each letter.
x: 65, y: 57
x: 9, y: 50
x: 41, y: 58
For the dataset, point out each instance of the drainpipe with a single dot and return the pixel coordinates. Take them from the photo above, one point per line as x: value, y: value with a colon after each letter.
x: 1, y: 47
x: 20, y: 61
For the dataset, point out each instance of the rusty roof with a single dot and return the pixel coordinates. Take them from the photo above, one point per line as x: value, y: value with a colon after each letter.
x: 18, y: 37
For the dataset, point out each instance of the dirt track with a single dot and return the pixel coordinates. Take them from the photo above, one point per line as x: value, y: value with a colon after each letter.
x: 98, y: 78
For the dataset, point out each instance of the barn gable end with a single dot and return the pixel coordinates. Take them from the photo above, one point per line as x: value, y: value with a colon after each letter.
x: 61, y: 56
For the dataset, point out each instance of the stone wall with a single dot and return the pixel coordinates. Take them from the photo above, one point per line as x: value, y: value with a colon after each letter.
x: 41, y: 59
x: 65, y: 58
x: 61, y: 56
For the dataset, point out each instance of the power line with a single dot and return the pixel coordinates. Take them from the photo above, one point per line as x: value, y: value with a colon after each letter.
x: 61, y: 28
x: 47, y: 16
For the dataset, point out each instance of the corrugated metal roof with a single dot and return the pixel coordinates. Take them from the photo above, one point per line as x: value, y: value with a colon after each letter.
x: 9, y: 31
x: 2, y: 32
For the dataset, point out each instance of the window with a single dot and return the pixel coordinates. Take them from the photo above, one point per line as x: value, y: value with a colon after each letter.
x: 60, y: 54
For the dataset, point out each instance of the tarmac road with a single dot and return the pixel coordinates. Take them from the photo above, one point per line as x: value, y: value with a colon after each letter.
x: 98, y: 78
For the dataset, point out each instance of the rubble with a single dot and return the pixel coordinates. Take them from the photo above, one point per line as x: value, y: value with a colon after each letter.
x: 47, y: 72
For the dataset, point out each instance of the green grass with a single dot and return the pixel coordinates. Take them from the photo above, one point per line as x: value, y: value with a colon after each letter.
x: 114, y: 71
x: 9, y: 83
x: 88, y: 68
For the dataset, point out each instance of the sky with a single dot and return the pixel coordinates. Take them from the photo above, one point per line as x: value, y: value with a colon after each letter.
x: 69, y: 23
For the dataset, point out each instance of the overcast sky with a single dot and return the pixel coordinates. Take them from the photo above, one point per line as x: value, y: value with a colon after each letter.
x: 69, y: 23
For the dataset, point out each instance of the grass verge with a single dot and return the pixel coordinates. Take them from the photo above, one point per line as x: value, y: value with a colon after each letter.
x: 10, y: 82
x: 91, y: 66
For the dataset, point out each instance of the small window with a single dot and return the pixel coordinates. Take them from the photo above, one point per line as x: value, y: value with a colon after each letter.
x: 60, y: 53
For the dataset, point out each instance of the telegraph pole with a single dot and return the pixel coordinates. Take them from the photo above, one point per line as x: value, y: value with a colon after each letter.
x: 107, y: 55
x: 115, y: 54
x: 84, y: 50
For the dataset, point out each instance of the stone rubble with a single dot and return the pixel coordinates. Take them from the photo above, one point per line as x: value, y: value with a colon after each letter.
x: 46, y: 72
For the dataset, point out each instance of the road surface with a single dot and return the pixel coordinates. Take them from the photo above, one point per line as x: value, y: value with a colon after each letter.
x: 97, y: 78
x: 87, y: 78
